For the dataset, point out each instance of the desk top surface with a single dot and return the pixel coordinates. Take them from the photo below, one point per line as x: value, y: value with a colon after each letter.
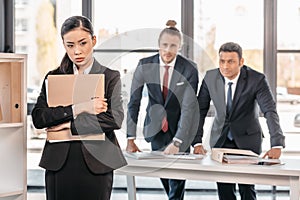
x: 291, y: 167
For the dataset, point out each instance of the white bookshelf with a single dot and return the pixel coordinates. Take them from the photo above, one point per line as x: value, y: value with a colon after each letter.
x: 13, y: 146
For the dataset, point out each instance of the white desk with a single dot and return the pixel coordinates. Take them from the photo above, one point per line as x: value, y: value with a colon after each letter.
x: 209, y: 170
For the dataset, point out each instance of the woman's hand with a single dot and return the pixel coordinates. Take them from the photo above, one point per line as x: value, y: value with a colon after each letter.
x: 95, y: 106
x: 100, y: 105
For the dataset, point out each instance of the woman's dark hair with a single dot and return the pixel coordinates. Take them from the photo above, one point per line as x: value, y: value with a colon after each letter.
x: 170, y: 29
x: 70, y: 24
x: 232, y: 47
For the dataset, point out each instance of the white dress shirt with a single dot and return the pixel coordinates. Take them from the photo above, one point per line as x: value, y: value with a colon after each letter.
x: 162, y: 70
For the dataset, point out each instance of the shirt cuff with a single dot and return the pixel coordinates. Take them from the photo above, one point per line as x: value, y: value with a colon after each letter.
x: 278, y: 147
x: 197, y: 144
x: 176, y: 139
x: 73, y: 111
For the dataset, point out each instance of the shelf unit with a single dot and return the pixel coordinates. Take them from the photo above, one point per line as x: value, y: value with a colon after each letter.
x: 13, y: 139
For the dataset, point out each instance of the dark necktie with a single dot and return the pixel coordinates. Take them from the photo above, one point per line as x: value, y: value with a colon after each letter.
x: 164, y: 125
x: 228, y: 106
x: 165, y: 82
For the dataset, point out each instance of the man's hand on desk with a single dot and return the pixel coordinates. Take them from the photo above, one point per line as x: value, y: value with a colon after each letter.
x: 171, y: 149
x: 131, y: 146
x: 199, y: 150
x: 59, y: 127
x: 273, y: 153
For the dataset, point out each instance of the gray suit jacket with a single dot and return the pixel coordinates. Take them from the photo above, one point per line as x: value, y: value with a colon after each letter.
x: 252, y: 92
x: 179, y: 107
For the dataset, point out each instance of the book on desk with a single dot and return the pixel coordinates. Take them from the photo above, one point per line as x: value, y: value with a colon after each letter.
x: 240, y: 156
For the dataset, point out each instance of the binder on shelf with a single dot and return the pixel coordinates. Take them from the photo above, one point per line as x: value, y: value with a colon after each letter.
x: 64, y: 90
x: 12, y: 87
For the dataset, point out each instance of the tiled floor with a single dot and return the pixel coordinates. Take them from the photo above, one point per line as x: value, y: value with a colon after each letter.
x: 160, y: 195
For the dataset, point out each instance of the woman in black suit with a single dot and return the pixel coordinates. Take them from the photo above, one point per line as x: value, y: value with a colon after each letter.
x: 81, y: 170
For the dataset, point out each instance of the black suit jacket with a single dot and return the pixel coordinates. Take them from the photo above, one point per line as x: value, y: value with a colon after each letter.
x: 252, y: 92
x: 180, y: 105
x: 100, y: 156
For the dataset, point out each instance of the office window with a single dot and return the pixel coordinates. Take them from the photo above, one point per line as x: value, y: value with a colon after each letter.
x: 36, y: 31
x: 126, y: 30
x: 288, y: 44
x: 116, y: 17
x: 288, y: 71
x: 288, y: 65
x: 21, y: 25
x: 288, y: 24
x: 21, y: 2
x: 217, y: 22
x: 21, y: 49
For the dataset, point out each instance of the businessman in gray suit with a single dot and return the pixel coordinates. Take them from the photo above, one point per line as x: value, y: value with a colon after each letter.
x: 237, y: 91
x: 169, y: 115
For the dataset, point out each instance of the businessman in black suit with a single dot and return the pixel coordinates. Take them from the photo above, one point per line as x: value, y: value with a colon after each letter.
x: 168, y: 115
x: 236, y: 91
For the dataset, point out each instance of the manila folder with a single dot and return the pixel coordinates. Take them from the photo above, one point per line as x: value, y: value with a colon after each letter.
x: 65, y: 90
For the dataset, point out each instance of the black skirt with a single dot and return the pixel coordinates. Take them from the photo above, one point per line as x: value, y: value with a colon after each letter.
x: 74, y: 181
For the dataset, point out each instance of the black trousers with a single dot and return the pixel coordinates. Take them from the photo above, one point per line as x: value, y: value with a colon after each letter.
x: 227, y: 191
x: 173, y: 187
x: 74, y: 181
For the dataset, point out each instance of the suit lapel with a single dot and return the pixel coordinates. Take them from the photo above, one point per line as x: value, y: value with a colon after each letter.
x: 156, y: 79
x: 175, y: 78
x: 97, y: 68
x: 220, y: 86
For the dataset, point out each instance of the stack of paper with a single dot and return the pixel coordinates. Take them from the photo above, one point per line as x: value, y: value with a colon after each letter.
x: 144, y: 155
x: 161, y: 155
x: 240, y: 159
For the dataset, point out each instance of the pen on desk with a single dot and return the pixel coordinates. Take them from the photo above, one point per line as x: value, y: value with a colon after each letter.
x: 183, y: 153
